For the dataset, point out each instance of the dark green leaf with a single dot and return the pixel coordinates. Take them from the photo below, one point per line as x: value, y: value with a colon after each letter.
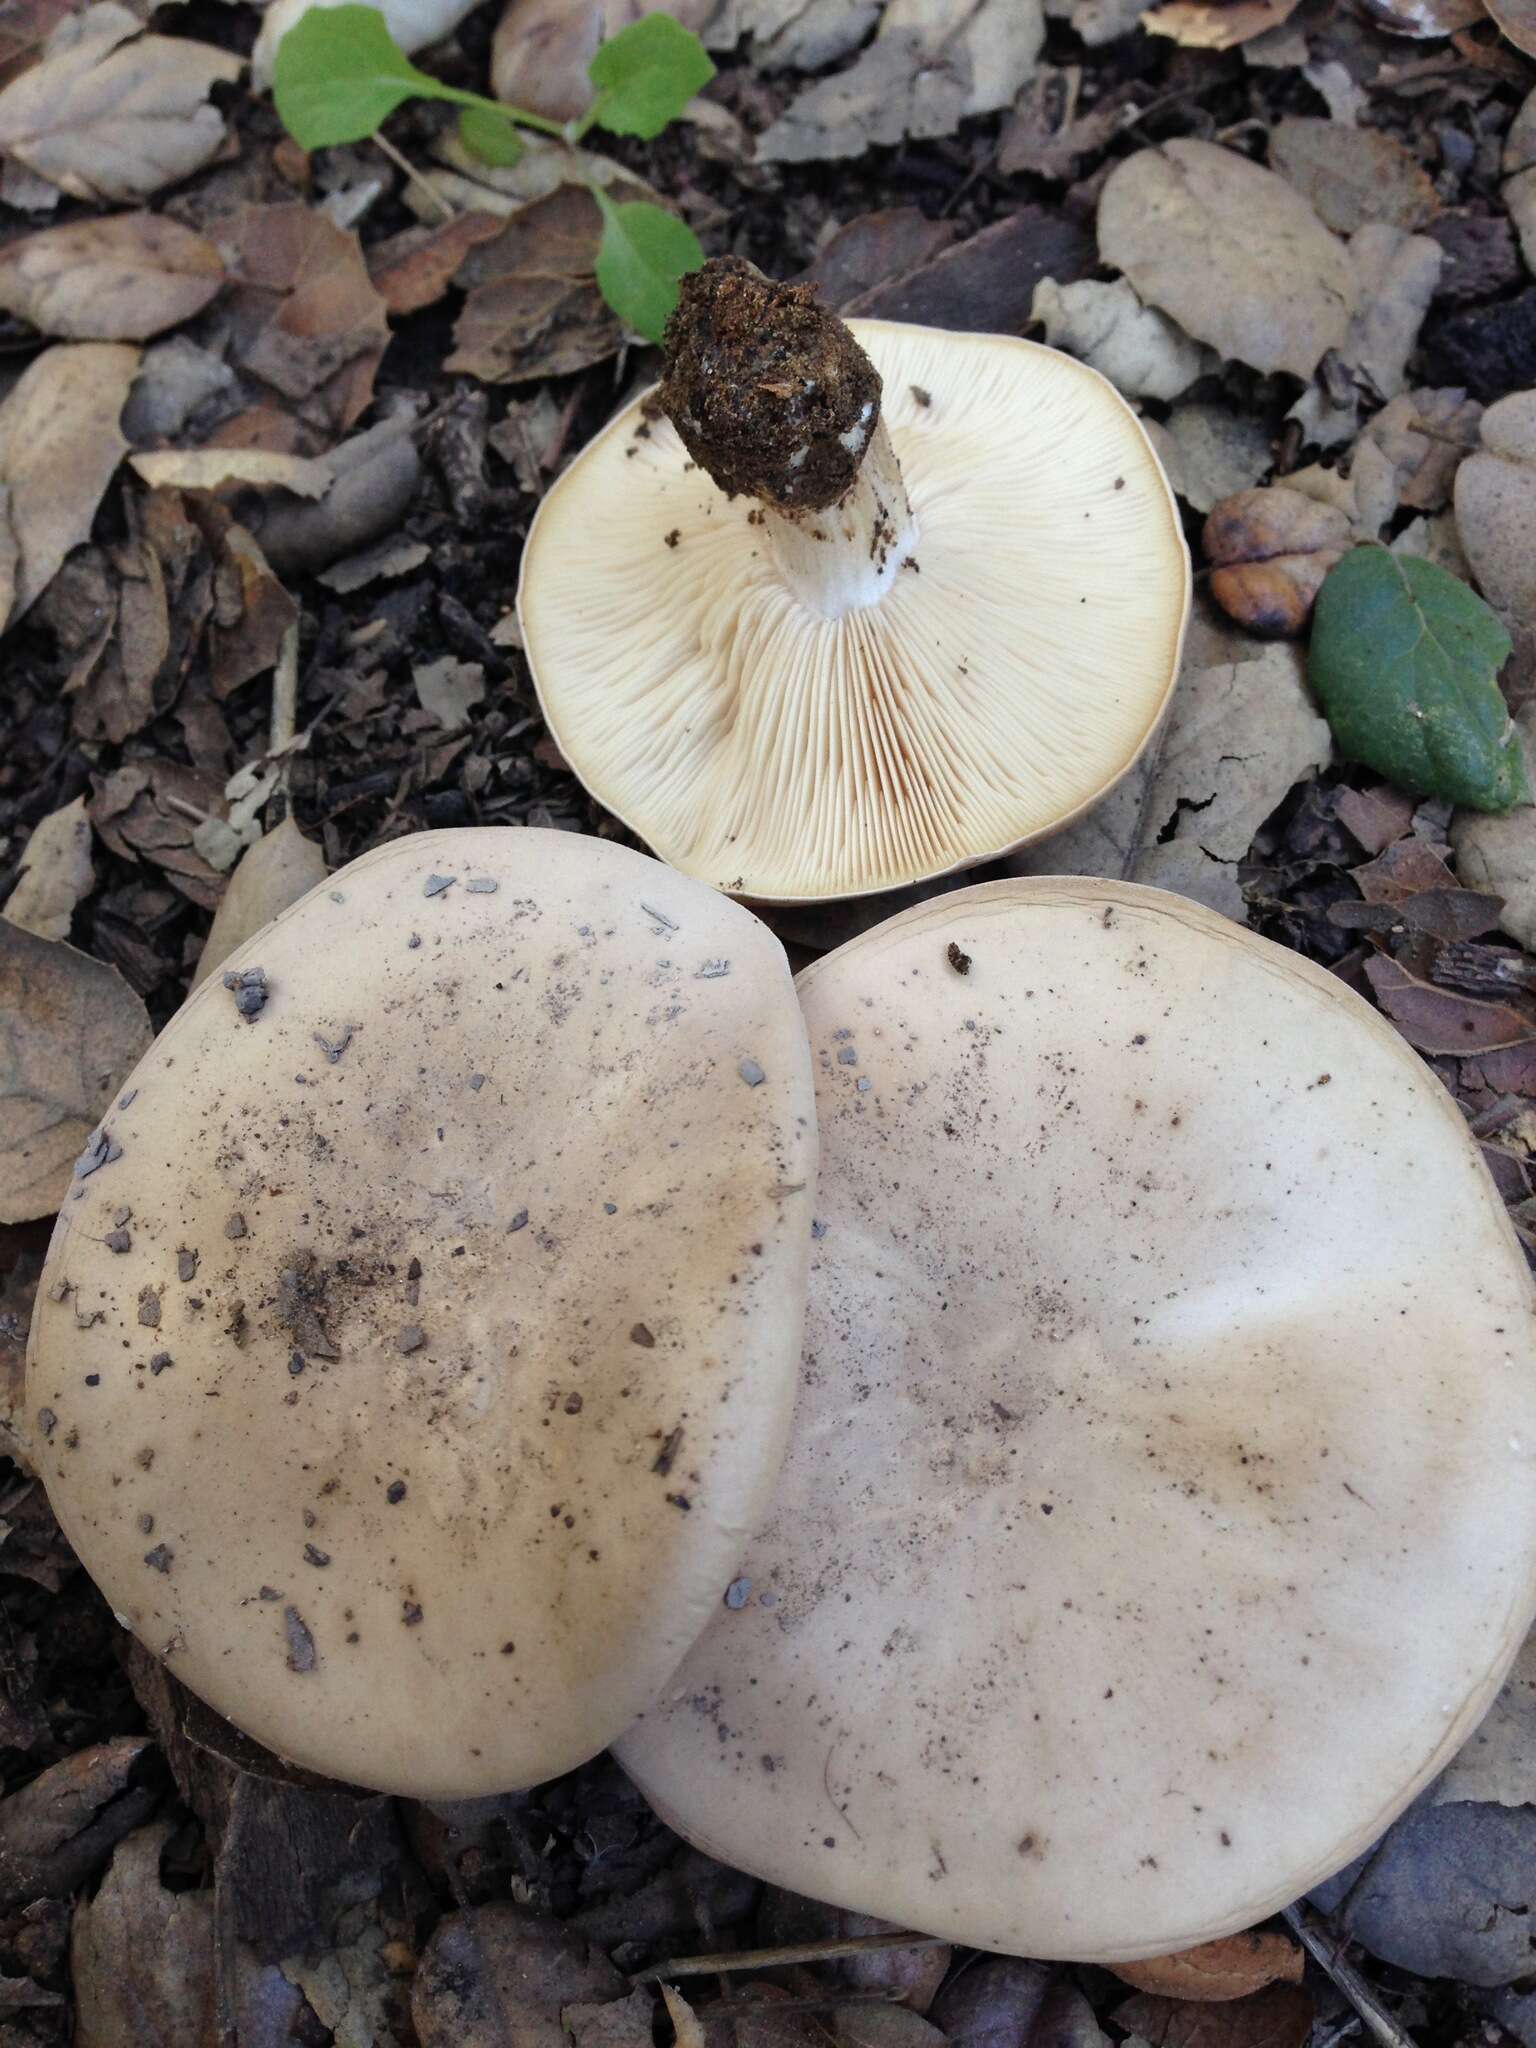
x: 646, y: 75
x: 644, y: 251
x: 1404, y: 659
x: 489, y: 136
x: 339, y: 73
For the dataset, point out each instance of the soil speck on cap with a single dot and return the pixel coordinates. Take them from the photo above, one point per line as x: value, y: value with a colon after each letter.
x: 149, y: 1308
x: 161, y: 1361
x: 410, y: 1613
x: 394, y: 1493
x: 301, y: 1644
x: 235, y: 1227
x: 411, y: 1338
x: 961, y: 962
x: 751, y: 1073
x: 738, y: 1592
x: 436, y: 884
x: 482, y: 885
x: 519, y: 1221
x: 118, y: 1241
x: 159, y: 1559
x: 248, y: 985
x: 315, y: 1556
x: 301, y: 1305
x: 666, y: 1457
x: 47, y: 1422
x: 642, y: 1336
x: 186, y: 1265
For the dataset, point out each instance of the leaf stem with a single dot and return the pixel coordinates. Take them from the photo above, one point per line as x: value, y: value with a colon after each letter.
x: 414, y: 177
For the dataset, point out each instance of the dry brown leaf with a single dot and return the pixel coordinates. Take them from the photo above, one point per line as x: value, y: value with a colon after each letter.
x: 120, y: 278
x: 871, y: 248
x: 1438, y: 1019
x: 1516, y: 20
x: 251, y: 609
x: 1496, y: 511
x: 1219, y: 1970
x: 112, y: 114
x: 1139, y: 350
x: 1279, y: 2017
x: 932, y: 64
x: 1202, y: 25
x: 1496, y: 850
x: 149, y: 810
x: 280, y: 868
x: 1423, y: 437
x: 1353, y: 175
x: 1425, y: 18
x: 1406, y: 868
x: 60, y: 441
x: 1045, y: 133
x: 73, y: 1030
x: 534, y: 309
x: 1216, y: 452
x: 1231, y: 252
x: 209, y: 469
x: 56, y: 873
x: 413, y: 269
x: 1271, y: 549
x: 491, y: 1975
x: 306, y: 318
x: 1395, y: 279
x: 141, y: 1957
x: 25, y: 26
x: 985, y: 284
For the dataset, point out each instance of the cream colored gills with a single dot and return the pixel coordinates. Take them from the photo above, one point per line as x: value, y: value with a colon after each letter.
x: 416, y: 1356
x: 793, y: 720
x: 1167, y: 1347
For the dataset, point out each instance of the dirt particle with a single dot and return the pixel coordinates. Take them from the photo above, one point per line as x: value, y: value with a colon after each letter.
x: 159, y: 1559
x: 146, y: 1525
x: 666, y: 1457
x: 573, y: 1404
x: 642, y: 1336
x: 314, y: 1555
x: 301, y: 1644
x: 519, y: 1222
x: 961, y: 962
x: 161, y: 1362
x: 751, y: 1073
x: 248, y: 986
x: 737, y: 1593
x: 673, y: 537
x: 394, y: 1493
x: 436, y: 885
x: 411, y: 1338
x: 410, y: 1613
x: 118, y: 1241
x: 482, y: 885
x: 149, y: 1308
x: 186, y: 1265
x: 680, y: 1500
x: 47, y: 1422
x: 234, y: 1229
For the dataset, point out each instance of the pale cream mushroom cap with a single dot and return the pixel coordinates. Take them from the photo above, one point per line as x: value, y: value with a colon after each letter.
x: 1160, y: 1508
x: 1020, y: 655
x: 412, y: 1370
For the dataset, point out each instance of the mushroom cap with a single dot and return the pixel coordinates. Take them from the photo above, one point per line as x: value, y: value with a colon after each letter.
x: 1000, y: 687
x: 1160, y: 1508
x: 413, y: 1368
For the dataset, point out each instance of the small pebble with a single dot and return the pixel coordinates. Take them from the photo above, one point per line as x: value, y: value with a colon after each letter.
x: 118, y: 1241
x: 864, y: 1083
x: 738, y: 1592
x: 159, y: 1559
x: 847, y: 1056
x: 436, y: 884
x: 411, y: 1338
x: 751, y: 1073
x: 394, y: 1493
x: 235, y: 1227
x: 482, y: 885
x: 319, y: 1558
x: 159, y: 1362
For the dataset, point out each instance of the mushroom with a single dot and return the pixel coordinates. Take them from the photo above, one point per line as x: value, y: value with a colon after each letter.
x: 419, y: 1344
x: 1167, y: 1346
x: 935, y: 614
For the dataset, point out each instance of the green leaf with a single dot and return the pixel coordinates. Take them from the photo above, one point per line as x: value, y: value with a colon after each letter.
x: 490, y: 136
x: 339, y: 73
x: 1403, y: 662
x: 644, y: 251
x: 646, y: 75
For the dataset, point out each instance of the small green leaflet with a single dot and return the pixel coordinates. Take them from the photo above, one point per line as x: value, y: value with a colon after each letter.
x: 646, y: 75
x: 1404, y: 659
x: 338, y: 74
x: 489, y: 136
x: 644, y: 251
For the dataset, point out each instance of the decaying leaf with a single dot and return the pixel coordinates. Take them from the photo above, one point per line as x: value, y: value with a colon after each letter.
x: 280, y: 868
x: 448, y: 690
x: 376, y: 474
x: 415, y: 268
x: 932, y: 64
x: 1353, y: 175
x: 1271, y: 550
x: 1422, y: 438
x: 149, y: 810
x: 112, y: 114
x: 1217, y: 452
x: 1138, y: 349
x: 492, y: 1975
x: 141, y: 1957
x: 1231, y: 252
x: 305, y: 316
x: 505, y: 189
x: 534, y: 309
x: 985, y: 284
x: 1495, y: 493
x: 1280, y: 2016
x: 1497, y: 851
x: 56, y: 873
x: 992, y: 2002
x: 1219, y: 1970
x: 210, y: 469
x: 1047, y: 135
x: 873, y: 248
x: 60, y: 441
x: 123, y: 277
x: 60, y: 1829
x: 1395, y: 279
x: 1441, y: 1020
x: 1224, y: 25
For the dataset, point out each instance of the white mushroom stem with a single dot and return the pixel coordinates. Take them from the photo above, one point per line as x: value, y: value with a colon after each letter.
x: 848, y: 555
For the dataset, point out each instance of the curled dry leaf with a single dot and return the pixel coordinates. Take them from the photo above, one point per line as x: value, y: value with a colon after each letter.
x: 58, y: 1831
x: 1496, y: 511
x: 931, y: 65
x: 376, y: 474
x: 490, y: 1975
x: 210, y: 469
x: 120, y: 278
x: 1353, y: 175
x: 141, y: 1957
x: 305, y: 317
x: 1440, y: 1020
x: 413, y: 269
x: 1423, y: 437
x: 1395, y: 279
x: 56, y: 873
x: 112, y: 114
x: 1225, y: 25
x: 1219, y: 1970
x: 149, y: 810
x: 1045, y: 133
x: 1231, y: 252
x: 1138, y: 349
x: 533, y: 307
x: 60, y: 441
x: 280, y: 868
x: 1271, y: 549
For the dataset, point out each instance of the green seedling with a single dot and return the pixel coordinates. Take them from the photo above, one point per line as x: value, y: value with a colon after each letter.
x: 339, y: 74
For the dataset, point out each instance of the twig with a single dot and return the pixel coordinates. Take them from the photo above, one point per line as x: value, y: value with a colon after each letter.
x: 777, y: 1958
x: 285, y: 693
x: 402, y: 162
x: 1328, y: 1956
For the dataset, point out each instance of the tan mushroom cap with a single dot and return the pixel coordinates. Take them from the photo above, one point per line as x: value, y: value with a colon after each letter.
x: 1160, y: 1508
x: 1003, y: 683
x: 413, y: 1366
